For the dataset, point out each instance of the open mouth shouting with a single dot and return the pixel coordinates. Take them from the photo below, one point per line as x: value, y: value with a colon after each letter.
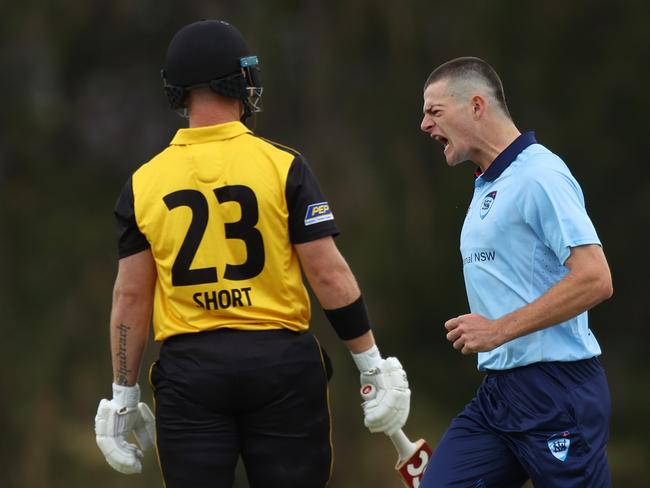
x: 442, y: 140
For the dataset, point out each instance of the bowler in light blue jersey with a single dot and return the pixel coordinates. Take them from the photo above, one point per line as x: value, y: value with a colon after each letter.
x: 533, y: 265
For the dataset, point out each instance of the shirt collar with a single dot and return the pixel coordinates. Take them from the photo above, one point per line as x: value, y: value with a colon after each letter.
x: 508, y: 155
x: 210, y: 133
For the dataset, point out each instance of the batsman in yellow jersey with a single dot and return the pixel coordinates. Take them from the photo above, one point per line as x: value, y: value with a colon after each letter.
x: 213, y: 236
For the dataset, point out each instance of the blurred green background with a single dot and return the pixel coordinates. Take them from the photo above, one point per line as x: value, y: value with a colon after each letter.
x: 82, y: 107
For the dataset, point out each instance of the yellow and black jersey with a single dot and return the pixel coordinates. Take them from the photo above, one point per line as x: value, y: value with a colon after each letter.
x: 220, y: 209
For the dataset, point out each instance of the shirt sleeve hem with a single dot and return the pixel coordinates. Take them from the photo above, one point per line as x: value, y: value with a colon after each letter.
x: 130, y: 251
x: 313, y: 236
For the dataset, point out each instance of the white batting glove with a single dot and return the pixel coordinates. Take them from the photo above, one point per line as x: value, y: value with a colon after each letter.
x: 387, y: 407
x: 145, y: 427
x: 367, y: 360
x: 116, y: 420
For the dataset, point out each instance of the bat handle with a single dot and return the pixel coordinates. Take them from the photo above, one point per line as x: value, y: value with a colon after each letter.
x: 404, y: 447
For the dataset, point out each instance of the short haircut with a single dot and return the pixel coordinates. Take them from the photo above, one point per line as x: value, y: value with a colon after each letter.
x: 471, y: 71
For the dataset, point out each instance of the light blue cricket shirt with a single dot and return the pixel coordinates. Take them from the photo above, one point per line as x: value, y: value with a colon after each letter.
x: 526, y: 214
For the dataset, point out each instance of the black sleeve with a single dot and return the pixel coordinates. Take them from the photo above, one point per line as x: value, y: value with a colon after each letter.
x: 310, y: 215
x: 129, y: 238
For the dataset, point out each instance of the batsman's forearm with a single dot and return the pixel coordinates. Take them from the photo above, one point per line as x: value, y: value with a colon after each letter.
x: 130, y: 319
x: 328, y: 273
x: 361, y: 343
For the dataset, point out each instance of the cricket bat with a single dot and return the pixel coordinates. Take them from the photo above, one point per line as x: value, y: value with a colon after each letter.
x: 412, y: 456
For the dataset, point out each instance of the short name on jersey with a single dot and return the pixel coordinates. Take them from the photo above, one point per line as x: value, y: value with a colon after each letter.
x: 222, y: 299
x: 318, y: 212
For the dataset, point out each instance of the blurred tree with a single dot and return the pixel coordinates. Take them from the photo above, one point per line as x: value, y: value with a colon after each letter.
x: 83, y: 107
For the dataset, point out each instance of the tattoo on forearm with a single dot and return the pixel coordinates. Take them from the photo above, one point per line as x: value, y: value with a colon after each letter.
x: 123, y: 369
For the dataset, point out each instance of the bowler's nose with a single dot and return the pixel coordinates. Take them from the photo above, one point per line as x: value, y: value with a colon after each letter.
x: 427, y: 124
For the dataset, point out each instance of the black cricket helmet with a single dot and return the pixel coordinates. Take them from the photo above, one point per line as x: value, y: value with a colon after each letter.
x: 212, y: 53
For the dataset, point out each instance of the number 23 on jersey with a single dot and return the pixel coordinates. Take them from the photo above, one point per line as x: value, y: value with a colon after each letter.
x: 243, y: 229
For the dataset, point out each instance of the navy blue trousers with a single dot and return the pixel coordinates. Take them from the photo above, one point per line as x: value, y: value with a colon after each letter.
x: 548, y: 422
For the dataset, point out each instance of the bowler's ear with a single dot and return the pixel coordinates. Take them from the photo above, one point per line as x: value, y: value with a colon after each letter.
x: 478, y: 106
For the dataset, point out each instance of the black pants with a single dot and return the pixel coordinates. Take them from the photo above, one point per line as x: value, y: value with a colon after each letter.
x: 261, y: 395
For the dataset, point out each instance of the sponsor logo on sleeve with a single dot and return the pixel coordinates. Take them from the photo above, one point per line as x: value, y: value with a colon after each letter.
x: 487, y: 203
x: 318, y: 212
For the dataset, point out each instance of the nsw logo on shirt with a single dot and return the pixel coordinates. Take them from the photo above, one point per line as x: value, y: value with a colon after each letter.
x: 488, y: 201
x: 318, y: 212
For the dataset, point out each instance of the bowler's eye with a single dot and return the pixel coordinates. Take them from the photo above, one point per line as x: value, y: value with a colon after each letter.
x: 431, y: 112
x: 436, y: 113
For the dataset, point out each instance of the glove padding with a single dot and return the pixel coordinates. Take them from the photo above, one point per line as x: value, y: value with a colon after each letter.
x: 388, y: 410
x: 145, y: 427
x: 113, y: 425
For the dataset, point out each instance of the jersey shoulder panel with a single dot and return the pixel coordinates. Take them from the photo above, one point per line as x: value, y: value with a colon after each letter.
x: 310, y: 214
x: 155, y: 164
x: 279, y: 146
x: 538, y: 160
